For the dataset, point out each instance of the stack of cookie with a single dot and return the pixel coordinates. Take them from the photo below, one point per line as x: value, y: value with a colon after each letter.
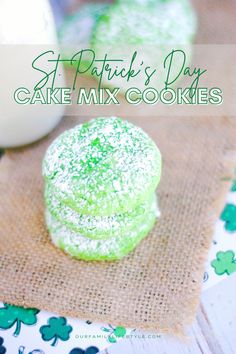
x: 100, y: 180
x: 152, y: 28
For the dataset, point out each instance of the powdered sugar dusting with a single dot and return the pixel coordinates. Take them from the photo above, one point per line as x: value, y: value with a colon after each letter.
x: 97, y: 227
x: 103, y: 167
x: 113, y: 248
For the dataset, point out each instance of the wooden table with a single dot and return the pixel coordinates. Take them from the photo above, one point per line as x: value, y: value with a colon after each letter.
x: 213, y: 332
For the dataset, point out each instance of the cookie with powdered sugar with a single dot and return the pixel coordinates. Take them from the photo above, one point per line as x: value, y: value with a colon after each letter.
x: 152, y: 29
x: 113, y: 248
x: 103, y: 167
x: 96, y: 227
x: 139, y: 21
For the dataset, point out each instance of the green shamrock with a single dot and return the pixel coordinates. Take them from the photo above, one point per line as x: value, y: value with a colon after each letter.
x: 225, y: 262
x: 117, y: 332
x: 229, y: 216
x: 57, y: 328
x: 233, y: 188
x: 11, y: 315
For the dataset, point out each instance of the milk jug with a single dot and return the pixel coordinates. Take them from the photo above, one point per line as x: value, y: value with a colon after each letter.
x: 26, y: 29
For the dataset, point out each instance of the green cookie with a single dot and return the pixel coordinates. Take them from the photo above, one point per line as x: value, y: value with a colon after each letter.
x: 139, y: 2
x: 151, y: 30
x: 96, y: 227
x: 104, y: 167
x: 110, y: 249
x: 76, y: 31
x: 138, y: 22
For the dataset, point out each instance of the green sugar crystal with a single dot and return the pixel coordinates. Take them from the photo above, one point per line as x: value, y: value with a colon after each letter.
x: 104, y: 167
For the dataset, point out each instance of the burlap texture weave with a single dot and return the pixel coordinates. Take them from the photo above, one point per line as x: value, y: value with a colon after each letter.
x: 157, y: 286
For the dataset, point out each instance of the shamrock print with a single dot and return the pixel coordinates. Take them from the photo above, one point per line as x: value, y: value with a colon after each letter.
x: 89, y: 350
x: 2, y: 348
x: 13, y: 315
x: 233, y: 189
x: 57, y: 328
x: 117, y: 332
x: 21, y: 350
x: 225, y: 262
x: 229, y: 216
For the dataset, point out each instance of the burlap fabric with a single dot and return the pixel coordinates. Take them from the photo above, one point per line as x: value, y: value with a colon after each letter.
x: 157, y: 286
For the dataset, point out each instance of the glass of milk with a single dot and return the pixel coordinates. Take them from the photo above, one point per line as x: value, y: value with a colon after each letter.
x: 26, y: 30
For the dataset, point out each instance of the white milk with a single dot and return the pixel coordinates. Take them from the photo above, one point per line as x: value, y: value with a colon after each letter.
x: 24, y: 22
